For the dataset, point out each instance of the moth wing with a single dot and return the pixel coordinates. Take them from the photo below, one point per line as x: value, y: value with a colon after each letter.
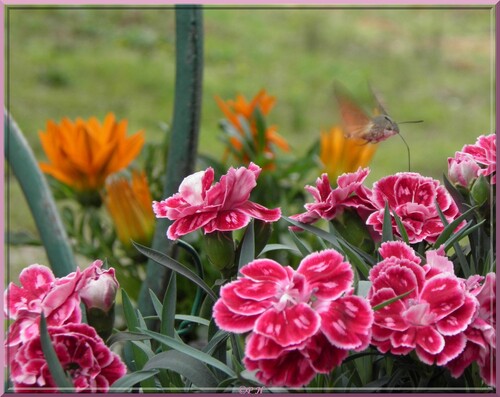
x: 379, y: 108
x: 355, y: 120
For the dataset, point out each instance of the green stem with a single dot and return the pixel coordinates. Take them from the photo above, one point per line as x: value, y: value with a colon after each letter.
x: 184, y: 136
x: 39, y: 197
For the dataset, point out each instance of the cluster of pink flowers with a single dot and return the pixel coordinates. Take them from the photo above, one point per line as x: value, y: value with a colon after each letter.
x: 474, y: 160
x: 82, y: 353
x: 223, y: 206
x: 438, y: 314
x: 410, y: 195
x: 301, y: 322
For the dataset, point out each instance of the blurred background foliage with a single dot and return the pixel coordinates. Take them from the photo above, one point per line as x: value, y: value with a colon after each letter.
x: 434, y: 64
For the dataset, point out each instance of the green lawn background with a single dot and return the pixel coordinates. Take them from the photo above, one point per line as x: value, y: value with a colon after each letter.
x: 434, y: 64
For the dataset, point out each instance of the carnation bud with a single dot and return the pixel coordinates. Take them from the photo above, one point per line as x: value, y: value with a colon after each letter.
x: 98, y: 293
x: 219, y: 247
x: 480, y: 190
x: 463, y: 170
x: 352, y: 228
x: 262, y: 231
x: 100, y: 289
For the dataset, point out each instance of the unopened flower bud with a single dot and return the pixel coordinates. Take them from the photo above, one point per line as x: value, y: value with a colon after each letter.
x: 351, y: 227
x: 263, y: 232
x: 480, y: 190
x: 99, y: 288
x: 463, y: 170
x: 219, y: 247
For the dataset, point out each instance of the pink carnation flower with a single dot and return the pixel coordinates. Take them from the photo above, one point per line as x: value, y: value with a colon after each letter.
x: 98, y: 287
x: 432, y: 317
x: 481, y: 335
x: 40, y: 292
x: 330, y: 202
x: 302, y: 321
x: 484, y: 152
x: 463, y: 169
x: 224, y: 206
x: 82, y: 354
x: 413, y: 198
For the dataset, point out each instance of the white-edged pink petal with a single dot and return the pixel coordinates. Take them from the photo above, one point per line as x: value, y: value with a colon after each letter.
x: 265, y: 270
x: 327, y: 273
x: 289, y: 326
x: 261, y: 347
x: 458, y: 320
x: 238, y: 305
x: 229, y: 321
x: 324, y: 356
x: 430, y: 340
x: 189, y: 224
x: 258, y: 291
x: 347, y: 322
x: 444, y: 293
x: 258, y: 211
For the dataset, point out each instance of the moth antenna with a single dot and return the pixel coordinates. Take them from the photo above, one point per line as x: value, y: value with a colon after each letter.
x: 411, y: 122
x: 408, y: 150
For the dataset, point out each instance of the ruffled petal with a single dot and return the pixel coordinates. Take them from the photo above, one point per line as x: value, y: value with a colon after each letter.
x: 229, y: 321
x: 327, y: 274
x: 290, y: 326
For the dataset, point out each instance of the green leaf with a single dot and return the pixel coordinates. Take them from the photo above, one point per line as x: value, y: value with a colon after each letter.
x: 56, y: 370
x: 167, y: 325
x: 190, y: 351
x: 401, y: 228
x: 387, y: 225
x: 156, y: 303
x: 277, y: 247
x: 449, y: 228
x: 247, y: 253
x: 126, y: 382
x: 219, y: 338
x: 461, y: 234
x: 125, y: 336
x: 302, y: 247
x: 315, y: 230
x: 177, y: 267
x: 392, y: 300
x: 355, y: 259
x: 185, y: 365
x: 260, y: 124
x: 192, y: 319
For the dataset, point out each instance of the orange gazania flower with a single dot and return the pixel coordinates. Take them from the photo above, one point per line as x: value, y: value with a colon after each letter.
x: 83, y: 153
x: 239, y: 108
x: 340, y: 154
x: 128, y: 201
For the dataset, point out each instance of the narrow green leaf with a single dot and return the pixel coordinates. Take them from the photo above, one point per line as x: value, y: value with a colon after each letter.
x: 144, y: 348
x: 277, y: 247
x: 451, y: 227
x: 124, y: 336
x: 129, y: 312
x: 192, y: 319
x: 461, y: 234
x: 401, y: 228
x: 392, y: 300
x: 56, y: 370
x: 302, y: 247
x: 355, y: 259
x: 315, y: 230
x: 187, y: 366
x: 387, y: 234
x: 260, y: 124
x: 190, y: 351
x: 219, y: 338
x: 177, y: 267
x: 126, y: 382
x: 247, y: 253
x: 156, y: 304
x: 167, y: 326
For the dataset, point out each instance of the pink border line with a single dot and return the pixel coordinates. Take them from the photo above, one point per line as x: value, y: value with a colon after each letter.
x: 360, y: 3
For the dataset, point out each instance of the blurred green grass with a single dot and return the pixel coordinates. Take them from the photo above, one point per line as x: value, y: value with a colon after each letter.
x: 434, y: 64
